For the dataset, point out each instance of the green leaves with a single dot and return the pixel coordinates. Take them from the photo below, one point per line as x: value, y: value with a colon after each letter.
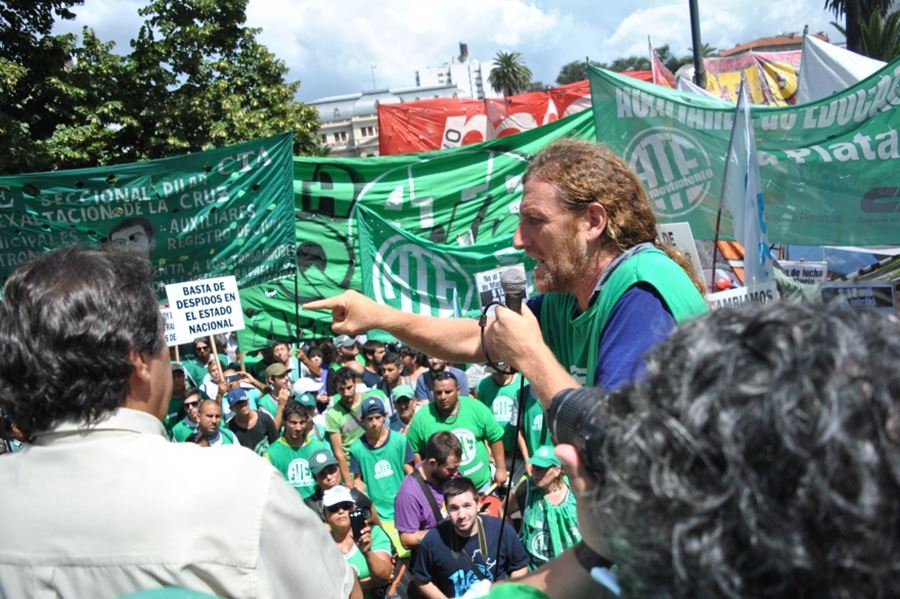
x: 509, y: 75
x: 195, y: 78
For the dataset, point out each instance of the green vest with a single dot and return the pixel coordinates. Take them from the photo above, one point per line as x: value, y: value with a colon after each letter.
x: 294, y: 463
x: 575, y: 340
x: 382, y: 470
x: 547, y: 530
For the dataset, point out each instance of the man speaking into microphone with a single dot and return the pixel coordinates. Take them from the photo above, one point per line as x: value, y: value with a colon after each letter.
x: 608, y: 293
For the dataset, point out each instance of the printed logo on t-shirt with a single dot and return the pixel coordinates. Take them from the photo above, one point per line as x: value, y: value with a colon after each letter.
x: 538, y: 423
x: 262, y: 447
x: 503, y: 409
x: 538, y: 545
x: 383, y: 469
x: 469, y: 444
x: 578, y: 373
x: 299, y: 474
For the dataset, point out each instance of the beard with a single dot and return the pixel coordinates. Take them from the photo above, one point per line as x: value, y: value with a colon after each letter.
x: 565, y: 268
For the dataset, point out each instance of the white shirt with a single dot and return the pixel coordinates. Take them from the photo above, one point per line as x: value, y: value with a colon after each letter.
x: 113, y: 508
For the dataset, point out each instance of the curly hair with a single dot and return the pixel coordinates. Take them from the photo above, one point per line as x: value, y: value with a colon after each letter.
x: 760, y: 457
x: 67, y: 322
x: 584, y: 173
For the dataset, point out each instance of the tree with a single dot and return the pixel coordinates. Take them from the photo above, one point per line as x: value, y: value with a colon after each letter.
x: 509, y: 75
x: 879, y: 38
x: 205, y: 81
x: 577, y: 70
x: 705, y: 50
x: 34, y: 96
x: 856, y: 12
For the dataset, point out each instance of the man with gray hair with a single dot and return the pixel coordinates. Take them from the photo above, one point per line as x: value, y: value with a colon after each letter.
x: 87, y: 508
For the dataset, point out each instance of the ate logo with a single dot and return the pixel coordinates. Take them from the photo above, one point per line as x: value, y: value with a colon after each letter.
x: 299, y: 474
x: 674, y: 168
x: 469, y: 444
x: 383, y: 469
x: 539, y: 545
x: 414, y: 279
x: 504, y: 409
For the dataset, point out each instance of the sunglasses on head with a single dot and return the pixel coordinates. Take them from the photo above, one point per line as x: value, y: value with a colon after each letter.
x: 444, y: 376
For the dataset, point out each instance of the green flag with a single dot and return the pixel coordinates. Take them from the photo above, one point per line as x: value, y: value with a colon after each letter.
x: 416, y: 275
x: 829, y: 169
x: 223, y: 212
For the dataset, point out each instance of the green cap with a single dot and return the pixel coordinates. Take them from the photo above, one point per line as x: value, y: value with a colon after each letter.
x: 305, y: 399
x: 402, y: 391
x: 544, y: 458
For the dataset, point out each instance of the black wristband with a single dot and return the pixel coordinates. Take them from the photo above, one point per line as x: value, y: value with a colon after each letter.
x: 590, y: 559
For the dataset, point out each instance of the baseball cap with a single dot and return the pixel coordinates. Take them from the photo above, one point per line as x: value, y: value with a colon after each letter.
x: 401, y: 391
x: 344, y: 341
x: 336, y: 495
x: 236, y: 395
x: 276, y: 369
x: 305, y: 399
x: 544, y: 458
x: 373, y: 405
x: 320, y: 460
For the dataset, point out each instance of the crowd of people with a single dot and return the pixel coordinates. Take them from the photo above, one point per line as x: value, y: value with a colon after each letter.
x: 353, y: 422
x: 739, y: 453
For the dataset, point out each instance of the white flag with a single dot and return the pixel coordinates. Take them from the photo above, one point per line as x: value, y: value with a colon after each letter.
x: 742, y: 196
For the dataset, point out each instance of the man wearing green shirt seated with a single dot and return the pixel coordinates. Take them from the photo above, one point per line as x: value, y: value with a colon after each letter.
x: 471, y: 422
x: 291, y: 452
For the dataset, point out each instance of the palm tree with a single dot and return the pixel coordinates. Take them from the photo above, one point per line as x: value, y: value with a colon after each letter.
x: 509, y: 74
x: 856, y: 12
x: 879, y: 38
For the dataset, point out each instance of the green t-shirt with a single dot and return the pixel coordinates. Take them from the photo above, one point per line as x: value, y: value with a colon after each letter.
x: 473, y: 424
x: 338, y: 419
x: 357, y: 561
x: 226, y: 437
x: 381, y: 469
x: 534, y: 425
x: 294, y: 463
x: 183, y: 430
x: 503, y: 402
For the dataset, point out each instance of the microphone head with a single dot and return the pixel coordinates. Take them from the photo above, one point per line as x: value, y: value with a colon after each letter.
x: 512, y: 281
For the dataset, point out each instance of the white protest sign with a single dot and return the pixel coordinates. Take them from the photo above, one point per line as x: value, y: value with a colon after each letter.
x: 205, y: 307
x: 680, y: 237
x: 488, y: 286
x: 170, y: 333
x: 810, y: 273
x: 880, y: 296
x: 732, y: 298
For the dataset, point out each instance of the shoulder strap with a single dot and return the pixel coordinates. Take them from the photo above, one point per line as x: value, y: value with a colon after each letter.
x: 482, y: 546
x: 431, y: 501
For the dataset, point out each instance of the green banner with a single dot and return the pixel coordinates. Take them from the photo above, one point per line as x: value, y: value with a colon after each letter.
x: 829, y: 169
x: 469, y: 193
x: 216, y: 213
x: 420, y: 276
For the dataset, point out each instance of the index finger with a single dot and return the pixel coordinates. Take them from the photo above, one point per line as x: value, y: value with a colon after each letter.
x: 326, y: 303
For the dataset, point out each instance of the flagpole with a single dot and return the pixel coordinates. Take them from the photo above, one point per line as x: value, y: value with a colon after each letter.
x: 722, y: 194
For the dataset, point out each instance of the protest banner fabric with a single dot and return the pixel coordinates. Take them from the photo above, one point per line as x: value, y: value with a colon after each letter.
x: 419, y: 276
x: 470, y: 192
x: 771, y: 76
x: 222, y: 212
x: 430, y: 125
x: 828, y: 169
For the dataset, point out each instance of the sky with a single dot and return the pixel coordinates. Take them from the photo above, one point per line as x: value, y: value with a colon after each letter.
x: 336, y: 47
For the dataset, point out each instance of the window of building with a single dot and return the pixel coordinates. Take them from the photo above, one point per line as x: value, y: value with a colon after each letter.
x: 324, y: 139
x: 337, y: 112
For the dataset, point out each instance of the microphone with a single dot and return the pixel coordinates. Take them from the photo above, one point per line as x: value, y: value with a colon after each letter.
x: 512, y: 281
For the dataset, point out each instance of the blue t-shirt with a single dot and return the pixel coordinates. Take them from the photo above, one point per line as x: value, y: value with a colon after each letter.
x: 639, y: 321
x: 451, y: 572
x: 424, y: 383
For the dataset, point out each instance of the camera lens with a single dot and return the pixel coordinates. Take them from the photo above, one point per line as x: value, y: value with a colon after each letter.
x: 575, y: 418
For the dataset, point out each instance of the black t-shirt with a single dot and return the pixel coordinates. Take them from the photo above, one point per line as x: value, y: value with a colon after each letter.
x: 257, y: 438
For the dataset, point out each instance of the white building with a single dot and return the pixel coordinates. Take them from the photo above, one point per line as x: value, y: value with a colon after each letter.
x: 349, y: 123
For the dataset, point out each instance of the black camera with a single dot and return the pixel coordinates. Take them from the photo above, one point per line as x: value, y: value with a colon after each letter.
x: 575, y: 418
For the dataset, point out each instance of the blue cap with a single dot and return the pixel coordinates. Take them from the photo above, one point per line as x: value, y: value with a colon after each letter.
x: 236, y: 395
x: 373, y: 405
